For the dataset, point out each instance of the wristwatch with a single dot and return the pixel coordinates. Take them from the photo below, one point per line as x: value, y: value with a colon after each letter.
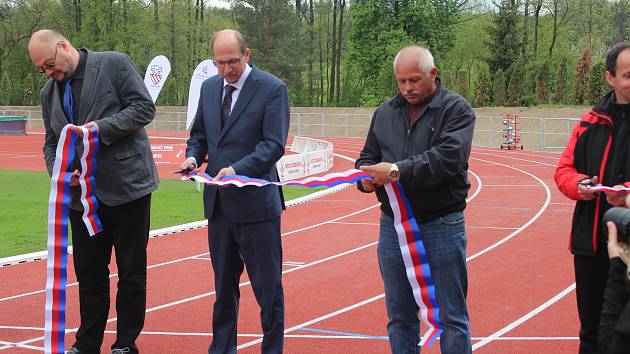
x: 393, y: 172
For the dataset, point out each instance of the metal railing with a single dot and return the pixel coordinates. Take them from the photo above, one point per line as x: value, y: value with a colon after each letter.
x: 536, y: 133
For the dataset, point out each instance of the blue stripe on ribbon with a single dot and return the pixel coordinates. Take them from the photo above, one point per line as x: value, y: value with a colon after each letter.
x: 58, y: 243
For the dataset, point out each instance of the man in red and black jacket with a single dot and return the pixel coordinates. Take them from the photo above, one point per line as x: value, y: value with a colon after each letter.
x: 597, y: 152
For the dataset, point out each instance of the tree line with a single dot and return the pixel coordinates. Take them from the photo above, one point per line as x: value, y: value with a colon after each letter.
x: 340, y: 52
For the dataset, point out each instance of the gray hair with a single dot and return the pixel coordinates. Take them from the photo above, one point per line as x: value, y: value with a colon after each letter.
x: 425, y: 58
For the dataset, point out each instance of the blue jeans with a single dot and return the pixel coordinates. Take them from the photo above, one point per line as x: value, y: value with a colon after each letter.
x: 445, y: 244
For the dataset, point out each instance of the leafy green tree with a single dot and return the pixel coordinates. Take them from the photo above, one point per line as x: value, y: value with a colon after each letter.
x: 462, y: 82
x: 382, y: 27
x: 504, y: 45
x: 269, y: 27
x: 542, y: 82
x: 29, y: 85
x: 597, y: 84
x: 498, y: 87
x: 5, y: 90
x: 560, y: 86
x: 515, y: 87
x: 483, y: 94
x: 582, y: 70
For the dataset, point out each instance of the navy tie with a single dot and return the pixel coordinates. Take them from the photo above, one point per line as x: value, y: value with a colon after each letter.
x: 227, y: 104
x: 67, y: 102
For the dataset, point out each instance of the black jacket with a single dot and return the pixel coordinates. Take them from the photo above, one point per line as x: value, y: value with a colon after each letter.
x: 432, y: 154
x: 614, y: 325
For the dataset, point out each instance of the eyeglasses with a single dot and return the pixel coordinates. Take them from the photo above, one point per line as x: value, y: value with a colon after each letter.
x: 49, y: 66
x: 232, y: 62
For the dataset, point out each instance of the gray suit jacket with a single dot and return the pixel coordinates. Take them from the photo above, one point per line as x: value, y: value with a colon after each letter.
x: 115, y: 95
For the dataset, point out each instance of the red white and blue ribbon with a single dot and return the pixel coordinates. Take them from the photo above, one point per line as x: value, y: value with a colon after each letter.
x: 56, y: 273
x: 416, y: 261
x: 328, y: 180
x: 87, y: 182
x: 409, y: 236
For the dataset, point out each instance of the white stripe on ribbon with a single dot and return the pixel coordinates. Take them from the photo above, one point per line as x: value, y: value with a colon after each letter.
x: 397, y: 204
x: 86, y: 181
x: 59, y: 199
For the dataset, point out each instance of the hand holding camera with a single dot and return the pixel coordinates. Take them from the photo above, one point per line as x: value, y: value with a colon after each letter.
x: 617, y: 221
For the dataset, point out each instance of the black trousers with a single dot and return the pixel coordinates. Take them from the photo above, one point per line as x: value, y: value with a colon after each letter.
x: 126, y: 228
x: 591, y: 273
x: 258, y: 247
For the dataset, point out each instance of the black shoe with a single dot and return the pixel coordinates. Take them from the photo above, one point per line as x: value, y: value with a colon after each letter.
x: 73, y: 350
x: 124, y: 350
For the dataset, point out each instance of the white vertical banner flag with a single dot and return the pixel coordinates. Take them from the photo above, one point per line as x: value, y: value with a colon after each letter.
x: 204, y: 70
x: 156, y: 75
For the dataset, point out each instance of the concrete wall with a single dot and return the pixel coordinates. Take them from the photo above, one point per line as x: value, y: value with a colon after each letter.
x: 540, y: 128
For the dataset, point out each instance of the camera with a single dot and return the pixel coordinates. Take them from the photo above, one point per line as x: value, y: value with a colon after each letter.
x: 621, y: 218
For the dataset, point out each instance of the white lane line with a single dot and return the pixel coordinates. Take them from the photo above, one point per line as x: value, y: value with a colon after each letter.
x: 200, y: 296
x: 356, y: 223
x: 491, y: 227
x: 111, y: 276
x: 478, y: 189
x: 524, y: 318
x: 258, y: 335
x: 201, y: 254
x: 529, y: 222
x: 510, y: 185
x: 364, y: 302
x: 318, y: 319
x: 336, y: 312
x: 8, y: 345
x: 535, y: 163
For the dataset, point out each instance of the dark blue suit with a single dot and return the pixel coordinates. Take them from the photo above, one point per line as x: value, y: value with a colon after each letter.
x: 244, y: 223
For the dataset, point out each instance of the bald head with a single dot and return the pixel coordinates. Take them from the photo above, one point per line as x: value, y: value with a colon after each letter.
x: 230, y: 54
x: 45, y: 37
x: 52, y: 54
x: 228, y: 37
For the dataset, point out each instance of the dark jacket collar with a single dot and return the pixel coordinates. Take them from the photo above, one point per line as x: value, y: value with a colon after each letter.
x: 608, y: 107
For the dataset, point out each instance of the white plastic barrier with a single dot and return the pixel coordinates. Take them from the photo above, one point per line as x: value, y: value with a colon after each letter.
x: 312, y: 156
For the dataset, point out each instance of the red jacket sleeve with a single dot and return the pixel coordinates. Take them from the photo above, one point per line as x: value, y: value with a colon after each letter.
x: 567, y: 176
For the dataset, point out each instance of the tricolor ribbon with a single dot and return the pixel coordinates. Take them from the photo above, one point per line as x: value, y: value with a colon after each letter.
x: 416, y: 261
x: 56, y: 273
x: 409, y: 234
x: 329, y: 180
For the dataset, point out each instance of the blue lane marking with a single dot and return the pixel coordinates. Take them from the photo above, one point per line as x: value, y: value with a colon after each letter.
x: 347, y: 334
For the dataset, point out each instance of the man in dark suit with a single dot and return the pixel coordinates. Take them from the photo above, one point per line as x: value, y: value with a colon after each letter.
x: 105, y: 91
x: 241, y: 126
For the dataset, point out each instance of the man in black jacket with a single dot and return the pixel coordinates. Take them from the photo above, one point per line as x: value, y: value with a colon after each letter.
x: 598, y: 151
x: 423, y: 136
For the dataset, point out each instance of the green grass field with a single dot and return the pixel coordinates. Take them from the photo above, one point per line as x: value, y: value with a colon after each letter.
x: 24, y: 196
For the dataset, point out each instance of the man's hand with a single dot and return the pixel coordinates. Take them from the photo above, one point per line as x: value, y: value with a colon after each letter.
x: 188, y: 166
x: 380, y: 172
x: 613, y: 246
x: 616, y: 198
x: 368, y: 185
x: 74, y: 180
x: 584, y: 191
x: 225, y: 171
x: 87, y: 125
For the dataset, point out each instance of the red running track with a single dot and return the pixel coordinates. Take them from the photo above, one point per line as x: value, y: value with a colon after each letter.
x: 521, y: 288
